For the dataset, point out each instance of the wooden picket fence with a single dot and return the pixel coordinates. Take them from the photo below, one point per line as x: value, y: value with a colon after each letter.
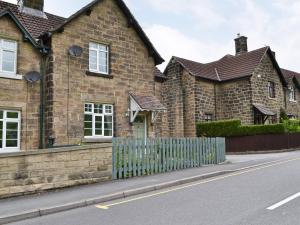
x: 139, y: 157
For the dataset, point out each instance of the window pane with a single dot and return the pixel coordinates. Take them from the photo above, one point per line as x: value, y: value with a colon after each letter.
x: 88, y: 121
x: 1, y: 115
x: 9, y: 45
x: 11, y: 143
x: 88, y: 108
x: 93, y: 45
x: 98, y: 109
x: 11, y: 135
x: 103, y: 47
x: 13, y: 115
x: 88, y: 132
x: 108, y: 133
x: 108, y: 108
x: 8, y: 61
x: 98, y: 125
x: 93, y: 59
x: 103, y: 69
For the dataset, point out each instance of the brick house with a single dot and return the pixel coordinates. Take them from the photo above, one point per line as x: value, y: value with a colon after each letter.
x: 82, y: 79
x: 249, y: 86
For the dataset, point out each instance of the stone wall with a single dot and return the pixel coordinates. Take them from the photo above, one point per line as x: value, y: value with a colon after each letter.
x: 234, y: 101
x: 18, y: 94
x: 131, y: 69
x: 205, y: 99
x: 36, y: 171
x: 264, y: 73
x: 173, y: 100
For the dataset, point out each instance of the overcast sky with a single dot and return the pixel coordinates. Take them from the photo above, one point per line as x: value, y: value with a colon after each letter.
x: 203, y: 30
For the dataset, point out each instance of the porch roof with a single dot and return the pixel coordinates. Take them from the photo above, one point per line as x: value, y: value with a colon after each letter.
x: 148, y: 103
x: 264, y: 110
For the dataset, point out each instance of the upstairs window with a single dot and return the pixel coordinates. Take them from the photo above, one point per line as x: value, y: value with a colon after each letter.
x: 8, y: 56
x: 99, y: 58
x: 9, y: 130
x: 271, y: 89
x: 98, y: 120
x: 292, y: 94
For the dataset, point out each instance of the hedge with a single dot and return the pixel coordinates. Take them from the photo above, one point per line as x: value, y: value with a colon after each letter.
x: 292, y: 126
x: 231, y: 128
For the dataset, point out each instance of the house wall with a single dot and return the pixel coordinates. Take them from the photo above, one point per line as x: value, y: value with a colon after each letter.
x: 205, y: 99
x: 131, y: 68
x: 234, y: 101
x: 259, y: 86
x: 173, y: 100
x: 17, y: 94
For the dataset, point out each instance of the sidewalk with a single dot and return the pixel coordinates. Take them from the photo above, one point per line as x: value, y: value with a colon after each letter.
x: 19, y: 205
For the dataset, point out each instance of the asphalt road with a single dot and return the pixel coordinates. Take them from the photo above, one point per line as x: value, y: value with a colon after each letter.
x: 237, y: 199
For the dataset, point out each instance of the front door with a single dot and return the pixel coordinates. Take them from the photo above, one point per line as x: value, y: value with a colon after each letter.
x: 140, y: 127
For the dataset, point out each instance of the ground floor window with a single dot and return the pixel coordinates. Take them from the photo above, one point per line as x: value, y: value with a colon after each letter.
x: 98, y: 120
x: 9, y: 130
x: 208, y: 117
x: 260, y: 118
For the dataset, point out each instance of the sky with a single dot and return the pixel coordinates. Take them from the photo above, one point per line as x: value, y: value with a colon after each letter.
x: 204, y: 30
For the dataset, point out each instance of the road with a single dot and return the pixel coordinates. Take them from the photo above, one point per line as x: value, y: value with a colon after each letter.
x: 267, y: 195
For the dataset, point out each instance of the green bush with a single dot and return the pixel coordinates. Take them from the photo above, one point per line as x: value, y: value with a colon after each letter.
x: 292, y: 126
x: 218, y: 129
x: 232, y: 128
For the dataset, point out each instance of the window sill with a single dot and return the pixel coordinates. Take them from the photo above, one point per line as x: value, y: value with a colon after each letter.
x: 95, y: 74
x: 293, y: 101
x: 97, y: 140
x: 272, y: 98
x: 12, y: 76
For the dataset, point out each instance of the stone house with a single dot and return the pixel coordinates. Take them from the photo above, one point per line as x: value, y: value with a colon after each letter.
x: 249, y: 86
x: 82, y: 79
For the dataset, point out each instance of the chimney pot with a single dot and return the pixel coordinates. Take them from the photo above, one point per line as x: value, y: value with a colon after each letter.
x: 241, y: 45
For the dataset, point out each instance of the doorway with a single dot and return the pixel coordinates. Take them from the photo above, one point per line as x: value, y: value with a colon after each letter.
x: 140, y: 127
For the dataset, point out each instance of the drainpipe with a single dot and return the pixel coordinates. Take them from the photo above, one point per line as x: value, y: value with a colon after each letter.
x: 42, y: 101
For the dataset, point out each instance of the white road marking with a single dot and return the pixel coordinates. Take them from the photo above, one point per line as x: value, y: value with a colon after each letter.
x: 283, y: 202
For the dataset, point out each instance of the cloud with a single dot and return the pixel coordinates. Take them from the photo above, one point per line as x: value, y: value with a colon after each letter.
x: 171, y: 42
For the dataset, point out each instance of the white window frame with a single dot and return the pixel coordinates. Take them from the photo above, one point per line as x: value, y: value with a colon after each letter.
x: 292, y: 94
x: 103, y: 114
x: 6, y: 120
x: 98, y: 50
x: 9, y: 74
x: 270, y: 83
x: 208, y: 117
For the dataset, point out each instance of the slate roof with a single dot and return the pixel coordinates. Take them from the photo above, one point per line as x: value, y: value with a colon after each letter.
x: 158, y: 74
x: 34, y: 25
x: 264, y: 110
x: 290, y: 75
x: 148, y: 103
x: 229, y: 67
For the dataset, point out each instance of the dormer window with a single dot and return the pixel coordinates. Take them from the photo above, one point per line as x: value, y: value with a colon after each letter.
x: 292, y: 94
x: 8, y: 57
x: 99, y: 58
x: 271, y: 89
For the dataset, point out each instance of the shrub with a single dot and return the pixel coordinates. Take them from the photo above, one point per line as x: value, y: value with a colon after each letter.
x: 292, y: 126
x: 218, y: 129
x: 231, y: 128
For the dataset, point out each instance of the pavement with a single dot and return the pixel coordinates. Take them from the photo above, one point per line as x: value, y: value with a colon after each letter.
x: 33, y: 206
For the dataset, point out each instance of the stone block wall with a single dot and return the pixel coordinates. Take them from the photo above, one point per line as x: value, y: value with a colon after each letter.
x: 234, y: 101
x: 18, y: 94
x: 205, y: 99
x: 264, y: 73
x: 173, y: 100
x: 37, y: 171
x: 131, y: 69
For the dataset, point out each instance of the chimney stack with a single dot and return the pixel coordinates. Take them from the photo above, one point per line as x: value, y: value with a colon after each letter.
x: 32, y: 7
x: 241, y: 45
